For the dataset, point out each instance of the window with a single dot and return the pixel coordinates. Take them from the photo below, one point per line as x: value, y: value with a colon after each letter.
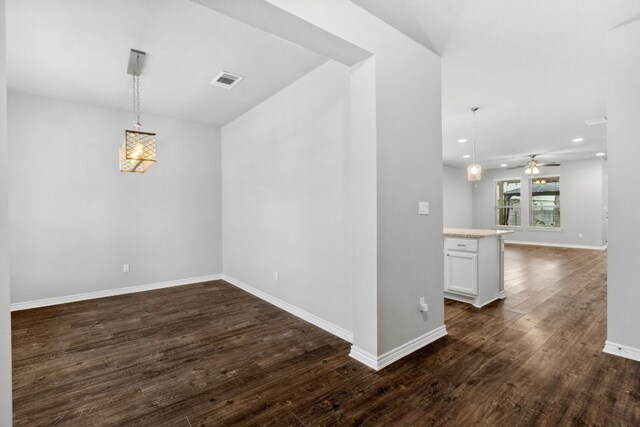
x: 508, y: 203
x: 545, y: 202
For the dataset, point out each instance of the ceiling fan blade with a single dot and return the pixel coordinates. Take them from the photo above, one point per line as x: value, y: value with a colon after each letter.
x: 549, y: 164
x: 517, y: 167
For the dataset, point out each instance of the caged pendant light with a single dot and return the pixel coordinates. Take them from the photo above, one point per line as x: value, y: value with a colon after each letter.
x: 138, y: 150
x: 474, y: 170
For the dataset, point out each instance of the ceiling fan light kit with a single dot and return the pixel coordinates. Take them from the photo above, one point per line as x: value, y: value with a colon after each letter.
x: 532, y: 170
x: 474, y: 170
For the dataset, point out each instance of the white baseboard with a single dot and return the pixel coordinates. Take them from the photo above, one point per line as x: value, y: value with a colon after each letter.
x: 386, y: 359
x: 110, y: 292
x: 311, y: 318
x: 364, y: 357
x: 622, y: 351
x: 556, y: 245
x: 296, y: 311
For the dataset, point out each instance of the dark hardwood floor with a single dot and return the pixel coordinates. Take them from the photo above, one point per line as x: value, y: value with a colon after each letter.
x: 211, y: 354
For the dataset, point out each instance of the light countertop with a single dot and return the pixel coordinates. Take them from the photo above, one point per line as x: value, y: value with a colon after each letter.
x: 464, y: 233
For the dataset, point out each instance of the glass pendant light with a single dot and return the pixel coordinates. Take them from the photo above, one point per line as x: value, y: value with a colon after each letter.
x: 474, y: 170
x: 138, y: 150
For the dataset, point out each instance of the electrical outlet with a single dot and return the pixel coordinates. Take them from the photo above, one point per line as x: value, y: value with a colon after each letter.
x: 422, y: 306
x: 423, y: 208
x: 125, y: 268
x: 580, y: 236
x: 276, y: 275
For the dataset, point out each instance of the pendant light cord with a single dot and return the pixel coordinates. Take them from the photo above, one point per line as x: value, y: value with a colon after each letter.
x: 474, y: 109
x: 136, y: 95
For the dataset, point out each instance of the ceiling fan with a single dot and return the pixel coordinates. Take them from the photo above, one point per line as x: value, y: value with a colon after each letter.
x: 531, y: 167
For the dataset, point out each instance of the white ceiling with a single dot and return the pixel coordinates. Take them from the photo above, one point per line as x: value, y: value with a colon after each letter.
x: 78, y: 50
x: 537, y: 70
x: 430, y: 22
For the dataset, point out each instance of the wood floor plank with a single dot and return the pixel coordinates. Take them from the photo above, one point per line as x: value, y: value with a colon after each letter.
x: 211, y: 354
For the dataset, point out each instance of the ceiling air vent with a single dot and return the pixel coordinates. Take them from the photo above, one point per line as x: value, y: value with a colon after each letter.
x: 596, y: 121
x: 226, y: 80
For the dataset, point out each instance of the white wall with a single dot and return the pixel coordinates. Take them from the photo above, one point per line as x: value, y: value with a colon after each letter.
x: 285, y: 196
x: 364, y: 196
x: 581, y: 199
x: 457, y: 195
x: 75, y: 219
x: 623, y: 112
x: 408, y: 168
x: 6, y: 414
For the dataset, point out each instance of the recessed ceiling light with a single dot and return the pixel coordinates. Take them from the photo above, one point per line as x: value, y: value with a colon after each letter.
x: 504, y: 165
x: 466, y: 156
x: 578, y: 139
x: 462, y: 141
x: 601, y: 154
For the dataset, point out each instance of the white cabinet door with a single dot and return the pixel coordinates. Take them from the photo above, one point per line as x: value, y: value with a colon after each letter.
x: 461, y: 272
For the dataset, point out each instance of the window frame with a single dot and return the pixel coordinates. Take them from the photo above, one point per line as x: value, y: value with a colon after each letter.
x: 496, y: 206
x: 534, y: 227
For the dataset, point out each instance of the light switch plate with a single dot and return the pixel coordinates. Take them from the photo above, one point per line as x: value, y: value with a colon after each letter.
x: 423, y: 208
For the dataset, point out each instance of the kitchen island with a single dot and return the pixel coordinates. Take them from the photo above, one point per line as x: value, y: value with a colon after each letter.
x: 474, y: 265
